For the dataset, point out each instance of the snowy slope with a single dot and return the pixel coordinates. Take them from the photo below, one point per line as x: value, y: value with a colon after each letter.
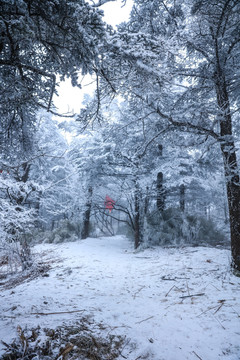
x: 137, y: 294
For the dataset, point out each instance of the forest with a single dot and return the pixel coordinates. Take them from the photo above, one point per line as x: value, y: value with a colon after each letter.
x: 152, y: 155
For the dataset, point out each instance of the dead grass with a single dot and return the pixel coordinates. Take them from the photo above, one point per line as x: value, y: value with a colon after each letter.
x: 81, y: 340
x: 42, y: 264
x: 11, y: 281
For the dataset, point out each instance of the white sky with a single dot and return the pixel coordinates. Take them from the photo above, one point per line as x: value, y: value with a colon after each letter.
x: 115, y: 13
x: 70, y: 99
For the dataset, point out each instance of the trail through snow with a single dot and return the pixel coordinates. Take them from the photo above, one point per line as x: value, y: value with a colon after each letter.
x: 147, y: 296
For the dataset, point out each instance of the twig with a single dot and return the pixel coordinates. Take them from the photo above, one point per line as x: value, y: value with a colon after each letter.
x: 212, y: 285
x: 186, y: 296
x: 58, y: 312
x: 235, y: 310
x: 138, y: 291
x: 204, y: 312
x: 174, y: 286
x: 170, y: 290
x: 123, y: 356
x: 169, y: 279
x: 139, y: 322
x: 213, y: 307
x: 112, y: 328
x: 219, y: 322
x: 218, y: 308
x: 197, y: 355
x: 120, y: 351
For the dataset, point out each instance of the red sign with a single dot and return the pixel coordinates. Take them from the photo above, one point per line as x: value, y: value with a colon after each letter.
x: 109, y: 203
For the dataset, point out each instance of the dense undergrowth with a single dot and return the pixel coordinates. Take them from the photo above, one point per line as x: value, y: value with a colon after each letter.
x: 76, y: 341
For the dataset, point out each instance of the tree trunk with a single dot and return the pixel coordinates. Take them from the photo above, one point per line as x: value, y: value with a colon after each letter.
x: 182, y: 197
x: 230, y: 165
x: 146, y: 201
x: 160, y: 192
x: 233, y: 196
x: 26, y: 169
x: 137, y: 218
x: 87, y: 214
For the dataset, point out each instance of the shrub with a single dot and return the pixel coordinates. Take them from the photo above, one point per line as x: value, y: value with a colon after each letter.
x: 172, y: 227
x: 66, y: 231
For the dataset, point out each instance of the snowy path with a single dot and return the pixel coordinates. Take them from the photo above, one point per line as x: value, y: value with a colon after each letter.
x: 138, y: 295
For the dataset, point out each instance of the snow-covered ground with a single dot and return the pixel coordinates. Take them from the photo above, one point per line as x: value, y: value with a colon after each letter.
x: 147, y: 296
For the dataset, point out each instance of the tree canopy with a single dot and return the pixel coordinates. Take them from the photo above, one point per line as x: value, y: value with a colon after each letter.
x: 40, y: 40
x: 173, y: 70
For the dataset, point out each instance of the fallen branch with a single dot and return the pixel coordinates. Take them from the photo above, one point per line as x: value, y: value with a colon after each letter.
x: 211, y: 308
x: 218, y: 308
x: 168, y: 279
x: 174, y: 286
x: 211, y: 285
x: 57, y: 312
x: 139, y: 322
x: 187, y: 296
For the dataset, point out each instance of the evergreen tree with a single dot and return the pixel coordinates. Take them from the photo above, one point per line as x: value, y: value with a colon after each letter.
x: 180, y: 61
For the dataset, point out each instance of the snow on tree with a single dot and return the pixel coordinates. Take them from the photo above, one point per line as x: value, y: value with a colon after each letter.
x: 41, y: 43
x: 180, y: 61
